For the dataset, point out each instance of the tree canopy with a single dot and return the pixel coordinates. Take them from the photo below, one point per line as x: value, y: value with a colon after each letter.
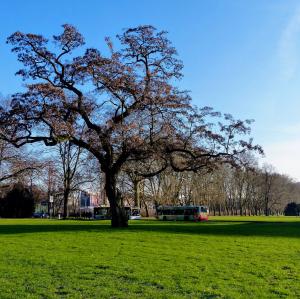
x: 124, y: 108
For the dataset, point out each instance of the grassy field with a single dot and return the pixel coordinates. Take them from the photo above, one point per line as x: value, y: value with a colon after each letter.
x: 227, y: 257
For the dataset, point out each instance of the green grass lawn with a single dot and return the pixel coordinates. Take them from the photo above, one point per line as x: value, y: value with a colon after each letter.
x: 227, y: 257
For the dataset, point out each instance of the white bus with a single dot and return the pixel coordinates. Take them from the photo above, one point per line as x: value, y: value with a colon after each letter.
x: 102, y: 213
x: 187, y: 213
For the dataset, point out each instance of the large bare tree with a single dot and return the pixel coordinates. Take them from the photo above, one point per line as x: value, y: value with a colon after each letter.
x: 126, y: 104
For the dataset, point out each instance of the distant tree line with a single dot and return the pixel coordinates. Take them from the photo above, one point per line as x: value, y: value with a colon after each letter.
x: 243, y: 190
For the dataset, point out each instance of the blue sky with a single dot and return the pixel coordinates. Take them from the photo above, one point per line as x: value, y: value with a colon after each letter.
x: 241, y: 57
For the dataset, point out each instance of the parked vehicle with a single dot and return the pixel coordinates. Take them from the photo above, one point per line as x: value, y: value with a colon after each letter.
x: 102, y: 213
x: 135, y: 214
x: 40, y: 215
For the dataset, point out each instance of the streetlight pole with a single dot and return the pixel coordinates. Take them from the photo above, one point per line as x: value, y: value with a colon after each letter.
x: 51, y: 200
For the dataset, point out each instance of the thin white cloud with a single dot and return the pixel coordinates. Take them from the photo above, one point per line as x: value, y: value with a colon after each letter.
x: 289, y: 46
x: 287, y: 131
x: 285, y: 157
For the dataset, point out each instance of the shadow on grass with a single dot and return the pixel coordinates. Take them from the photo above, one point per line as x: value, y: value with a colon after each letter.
x: 264, y: 229
x: 216, y: 228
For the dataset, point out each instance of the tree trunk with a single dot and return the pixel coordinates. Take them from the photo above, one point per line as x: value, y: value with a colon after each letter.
x: 66, y: 199
x: 146, y: 209
x: 267, y: 212
x: 136, y: 187
x: 119, y: 217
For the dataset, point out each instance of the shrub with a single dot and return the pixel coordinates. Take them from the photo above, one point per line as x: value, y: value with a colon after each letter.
x: 18, y: 203
x: 292, y: 209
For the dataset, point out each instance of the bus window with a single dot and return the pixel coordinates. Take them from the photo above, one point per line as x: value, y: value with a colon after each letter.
x: 188, y: 212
